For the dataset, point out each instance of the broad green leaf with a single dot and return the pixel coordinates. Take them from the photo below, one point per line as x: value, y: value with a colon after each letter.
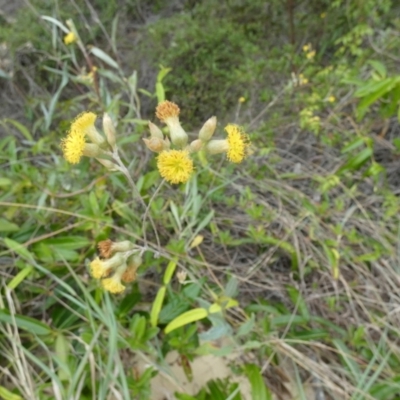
x: 258, y: 389
x: 155, y: 310
x: 4, y: 182
x: 20, y: 277
x: 186, y: 318
x: 18, y: 248
x: 31, y: 325
x: 170, y: 271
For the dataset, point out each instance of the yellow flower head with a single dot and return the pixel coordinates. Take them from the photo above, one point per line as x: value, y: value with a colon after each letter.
x: 238, y: 143
x: 175, y: 166
x: 167, y: 109
x: 70, y: 38
x: 73, y: 146
x: 84, y: 122
x: 113, y: 284
x: 331, y: 99
x: 99, y: 269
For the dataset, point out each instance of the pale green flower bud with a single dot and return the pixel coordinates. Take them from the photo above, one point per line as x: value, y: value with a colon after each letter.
x: 154, y: 144
x: 109, y: 130
x: 217, y: 146
x: 208, y: 129
x: 91, y: 150
x: 195, y: 146
x: 155, y: 131
x: 178, y: 136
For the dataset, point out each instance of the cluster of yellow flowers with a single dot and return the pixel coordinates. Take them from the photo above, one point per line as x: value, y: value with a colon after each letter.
x: 176, y: 165
x: 310, y: 53
x: 117, y: 265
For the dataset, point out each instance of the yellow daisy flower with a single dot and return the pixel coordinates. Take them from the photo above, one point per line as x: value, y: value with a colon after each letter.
x: 238, y: 143
x: 175, y: 166
x: 70, y: 38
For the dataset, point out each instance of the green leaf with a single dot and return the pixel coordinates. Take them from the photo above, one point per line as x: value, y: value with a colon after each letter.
x: 104, y: 57
x: 23, y: 129
x: 186, y: 318
x: 246, y: 328
x: 155, y: 310
x: 170, y: 271
x: 20, y: 277
x: 31, y: 325
x: 18, y: 248
x: 358, y: 160
x: 298, y: 301
x: 7, y: 226
x: 258, y: 389
x: 7, y: 395
x: 160, y: 92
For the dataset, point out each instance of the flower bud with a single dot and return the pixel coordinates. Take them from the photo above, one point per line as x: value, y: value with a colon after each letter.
x: 154, y: 144
x: 178, y: 135
x: 155, y: 131
x: 217, y: 146
x: 208, y: 129
x: 109, y: 130
x: 108, y: 164
x: 195, y: 146
x: 92, y: 150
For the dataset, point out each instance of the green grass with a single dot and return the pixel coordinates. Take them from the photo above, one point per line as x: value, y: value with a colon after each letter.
x: 289, y: 259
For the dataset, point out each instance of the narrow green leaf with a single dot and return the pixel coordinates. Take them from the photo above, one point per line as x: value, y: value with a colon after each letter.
x: 170, y: 271
x: 104, y: 57
x: 298, y: 301
x: 258, y: 389
x: 20, y: 277
x: 246, y: 328
x: 18, y: 248
x: 186, y: 318
x: 22, y: 128
x: 160, y: 92
x: 26, y: 323
x: 155, y: 310
x: 7, y: 395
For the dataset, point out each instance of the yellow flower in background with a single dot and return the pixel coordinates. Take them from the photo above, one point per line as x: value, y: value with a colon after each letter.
x: 101, y: 268
x: 310, y: 55
x: 306, y: 47
x: 331, y: 99
x: 242, y: 99
x: 73, y: 146
x: 175, y: 166
x: 113, y: 284
x: 70, y: 38
x: 323, y: 15
x: 238, y: 143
